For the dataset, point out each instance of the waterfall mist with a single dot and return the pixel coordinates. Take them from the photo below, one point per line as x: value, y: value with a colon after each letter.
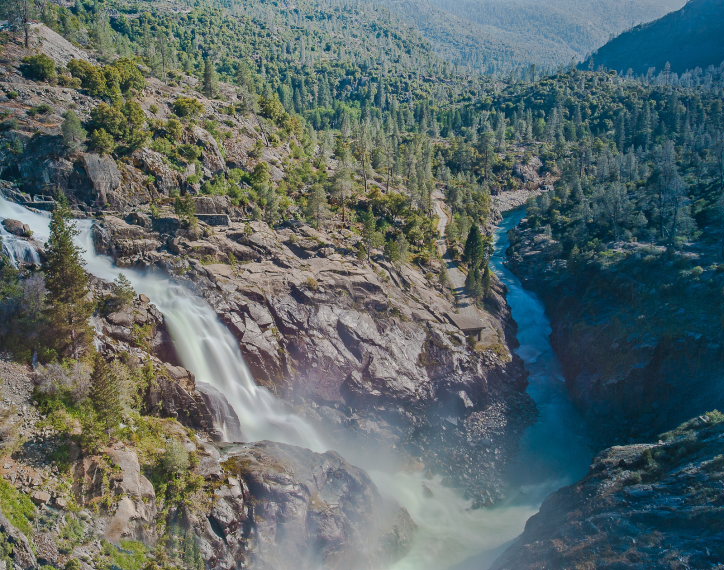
x: 449, y: 530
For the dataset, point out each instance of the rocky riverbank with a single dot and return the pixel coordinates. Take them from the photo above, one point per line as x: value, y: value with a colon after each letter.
x: 656, y: 505
x: 638, y: 331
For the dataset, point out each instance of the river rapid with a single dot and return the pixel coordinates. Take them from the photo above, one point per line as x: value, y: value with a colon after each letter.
x: 450, y: 533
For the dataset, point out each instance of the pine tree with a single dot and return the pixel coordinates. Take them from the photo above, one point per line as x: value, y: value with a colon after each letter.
x: 343, y: 188
x: 68, y: 308
x: 74, y: 134
x: 106, y: 392
x: 371, y: 238
x: 210, y: 80
x: 474, y: 250
x: 317, y: 205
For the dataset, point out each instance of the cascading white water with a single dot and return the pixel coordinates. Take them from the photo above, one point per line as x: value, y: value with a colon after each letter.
x: 449, y: 530
x: 20, y: 250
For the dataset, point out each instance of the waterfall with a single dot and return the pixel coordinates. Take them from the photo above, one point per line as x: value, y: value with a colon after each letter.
x: 18, y: 249
x: 449, y: 530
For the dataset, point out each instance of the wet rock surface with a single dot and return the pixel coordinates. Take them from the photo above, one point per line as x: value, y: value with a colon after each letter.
x: 358, y: 347
x: 655, y: 505
x: 307, y: 499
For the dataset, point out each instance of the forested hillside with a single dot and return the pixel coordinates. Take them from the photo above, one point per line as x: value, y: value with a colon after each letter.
x: 684, y: 40
x: 628, y: 249
x: 295, y: 184
x: 506, y: 35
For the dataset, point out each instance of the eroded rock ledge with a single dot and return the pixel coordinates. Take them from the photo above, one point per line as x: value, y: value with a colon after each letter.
x: 655, y: 505
x: 363, y: 348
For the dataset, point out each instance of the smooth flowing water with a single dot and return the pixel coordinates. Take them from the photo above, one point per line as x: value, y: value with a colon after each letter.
x: 450, y: 532
x: 555, y: 450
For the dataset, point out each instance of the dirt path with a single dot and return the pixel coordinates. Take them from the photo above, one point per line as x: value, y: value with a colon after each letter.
x: 465, y: 308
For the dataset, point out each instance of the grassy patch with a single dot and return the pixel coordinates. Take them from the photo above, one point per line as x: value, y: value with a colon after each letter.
x: 17, y: 507
x: 129, y: 555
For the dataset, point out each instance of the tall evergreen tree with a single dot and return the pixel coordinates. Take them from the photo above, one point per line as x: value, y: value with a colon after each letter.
x: 210, y: 78
x: 474, y: 250
x: 106, y: 392
x: 317, y: 206
x: 68, y: 308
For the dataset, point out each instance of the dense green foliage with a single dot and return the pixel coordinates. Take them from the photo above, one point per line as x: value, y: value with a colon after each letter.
x: 40, y: 67
x: 68, y: 305
x: 17, y: 507
x: 638, y: 161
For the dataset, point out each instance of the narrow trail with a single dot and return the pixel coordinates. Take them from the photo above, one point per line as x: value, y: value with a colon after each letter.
x: 466, y: 312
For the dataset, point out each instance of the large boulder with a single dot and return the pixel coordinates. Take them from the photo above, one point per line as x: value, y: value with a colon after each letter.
x: 317, y: 511
x: 17, y: 228
x: 212, y: 158
x: 167, y: 180
x: 99, y: 177
x: 43, y: 167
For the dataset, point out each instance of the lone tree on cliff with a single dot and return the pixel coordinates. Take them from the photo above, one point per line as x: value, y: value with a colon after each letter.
x: 68, y: 308
x: 105, y: 392
x: 74, y: 135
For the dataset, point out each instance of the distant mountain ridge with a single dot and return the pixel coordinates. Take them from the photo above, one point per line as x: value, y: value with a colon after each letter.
x: 503, y: 35
x: 688, y: 38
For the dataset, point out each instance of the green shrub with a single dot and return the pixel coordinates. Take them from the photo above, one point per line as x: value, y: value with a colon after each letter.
x: 39, y: 67
x: 129, y: 555
x: 176, y: 459
x: 42, y: 109
x: 175, y: 129
x: 188, y: 107
x: 714, y: 417
x: 102, y: 141
x: 121, y: 77
x: 90, y: 76
x: 190, y: 151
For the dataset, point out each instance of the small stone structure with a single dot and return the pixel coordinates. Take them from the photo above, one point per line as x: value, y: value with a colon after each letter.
x: 472, y: 327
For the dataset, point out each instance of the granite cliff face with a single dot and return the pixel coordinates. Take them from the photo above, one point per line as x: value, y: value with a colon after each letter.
x: 363, y: 348
x: 265, y: 503
x: 654, y: 505
x: 639, y: 332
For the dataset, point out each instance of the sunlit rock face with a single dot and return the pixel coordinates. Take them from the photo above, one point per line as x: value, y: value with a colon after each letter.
x: 641, y: 506
x: 361, y: 348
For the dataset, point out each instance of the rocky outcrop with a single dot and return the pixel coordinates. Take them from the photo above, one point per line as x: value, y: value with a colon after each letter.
x: 358, y: 347
x: 19, y: 546
x: 262, y: 505
x: 641, y: 506
x: 167, y: 179
x: 102, y: 175
x: 17, y: 228
x: 137, y: 332
x: 317, y: 511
